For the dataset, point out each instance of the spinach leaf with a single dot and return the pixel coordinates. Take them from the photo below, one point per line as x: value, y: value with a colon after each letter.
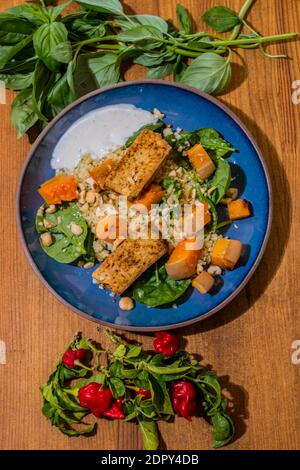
x: 161, y: 71
x: 23, y: 115
x: 45, y: 39
x: 183, y: 19
x: 17, y: 81
x: 106, y: 6
x: 221, y: 19
x: 90, y: 253
x: 209, y: 72
x: 149, y: 434
x: 157, y: 288
x: 66, y: 246
x: 142, y: 20
x: 95, y: 70
x: 8, y: 52
x: 13, y: 29
x: 152, y: 127
x: 220, y: 180
x: 213, y: 141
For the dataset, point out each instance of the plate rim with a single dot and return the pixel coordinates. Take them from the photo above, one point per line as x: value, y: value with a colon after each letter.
x: 145, y: 329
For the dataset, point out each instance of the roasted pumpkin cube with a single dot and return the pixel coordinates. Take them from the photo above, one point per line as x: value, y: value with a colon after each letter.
x: 238, y: 209
x: 100, y: 172
x: 59, y: 189
x: 201, y: 161
x: 226, y: 253
x: 182, y: 263
x: 203, y: 282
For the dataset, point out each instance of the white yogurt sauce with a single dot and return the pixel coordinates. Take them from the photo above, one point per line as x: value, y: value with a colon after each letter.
x: 98, y: 133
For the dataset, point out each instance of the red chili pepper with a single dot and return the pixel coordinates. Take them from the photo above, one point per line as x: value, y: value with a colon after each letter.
x: 116, y: 411
x: 166, y: 343
x: 93, y: 397
x: 71, y: 355
x: 144, y: 392
x: 184, y: 399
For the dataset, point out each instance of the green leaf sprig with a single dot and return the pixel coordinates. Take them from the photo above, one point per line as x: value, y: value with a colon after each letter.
x: 126, y: 370
x: 52, y: 58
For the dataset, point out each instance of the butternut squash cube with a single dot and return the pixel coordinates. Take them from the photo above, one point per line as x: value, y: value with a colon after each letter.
x: 101, y: 171
x: 226, y: 253
x: 238, y: 209
x: 182, y: 263
x: 203, y: 282
x: 201, y: 161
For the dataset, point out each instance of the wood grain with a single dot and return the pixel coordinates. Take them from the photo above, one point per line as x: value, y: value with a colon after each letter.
x: 248, y: 343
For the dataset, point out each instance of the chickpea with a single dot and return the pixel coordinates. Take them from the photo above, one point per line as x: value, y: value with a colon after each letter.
x: 76, y: 229
x: 46, y: 239
x: 126, y: 303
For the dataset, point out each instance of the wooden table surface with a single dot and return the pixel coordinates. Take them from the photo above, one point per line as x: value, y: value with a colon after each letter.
x: 248, y: 343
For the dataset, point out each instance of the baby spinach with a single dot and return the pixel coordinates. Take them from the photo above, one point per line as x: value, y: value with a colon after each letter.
x: 66, y: 246
x: 156, y: 288
x: 151, y: 127
x: 220, y: 180
x: 213, y: 141
x: 172, y: 186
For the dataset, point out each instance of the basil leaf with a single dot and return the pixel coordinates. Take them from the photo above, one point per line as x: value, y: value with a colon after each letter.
x: 222, y: 429
x: 221, y: 181
x: 45, y: 39
x: 179, y: 69
x: 17, y: 81
x: 133, y: 350
x: 95, y: 70
x: 41, y: 83
x: 35, y: 13
x: 183, y: 19
x: 209, y: 72
x: 147, y: 37
x: 57, y: 10
x: 62, y: 94
x: 153, y: 290
x: 8, y: 52
x: 105, y: 6
x: 221, y: 19
x: 142, y: 20
x: 62, y: 52
x: 13, y: 29
x: 151, y: 58
x: 213, y: 141
x: 23, y: 115
x: 149, y: 434
x: 161, y: 71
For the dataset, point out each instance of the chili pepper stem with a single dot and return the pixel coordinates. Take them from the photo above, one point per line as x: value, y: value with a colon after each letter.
x: 78, y: 363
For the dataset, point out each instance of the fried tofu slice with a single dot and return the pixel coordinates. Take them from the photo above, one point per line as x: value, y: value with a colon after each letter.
x: 129, y: 260
x: 139, y: 164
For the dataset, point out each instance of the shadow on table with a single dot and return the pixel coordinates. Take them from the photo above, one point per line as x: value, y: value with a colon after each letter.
x: 278, y: 240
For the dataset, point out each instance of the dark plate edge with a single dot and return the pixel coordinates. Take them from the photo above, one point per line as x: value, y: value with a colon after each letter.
x: 149, y: 328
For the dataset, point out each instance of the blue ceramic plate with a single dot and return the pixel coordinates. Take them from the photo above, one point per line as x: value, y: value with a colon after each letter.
x: 188, y: 109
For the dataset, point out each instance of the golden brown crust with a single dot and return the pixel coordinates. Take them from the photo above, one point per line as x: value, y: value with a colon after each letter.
x: 139, y: 164
x: 130, y: 259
